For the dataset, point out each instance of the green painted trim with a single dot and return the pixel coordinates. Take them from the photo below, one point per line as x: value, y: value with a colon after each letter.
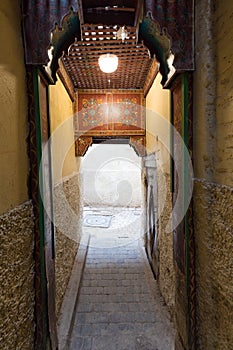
x: 185, y: 95
x: 36, y: 81
x: 51, y: 176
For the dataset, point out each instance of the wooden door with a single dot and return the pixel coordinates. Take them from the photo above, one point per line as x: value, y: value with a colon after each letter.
x: 47, y: 214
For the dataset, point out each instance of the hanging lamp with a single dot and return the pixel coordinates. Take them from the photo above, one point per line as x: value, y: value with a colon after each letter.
x: 108, y: 63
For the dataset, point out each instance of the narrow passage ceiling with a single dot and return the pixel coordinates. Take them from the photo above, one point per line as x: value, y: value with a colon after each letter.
x: 100, y: 21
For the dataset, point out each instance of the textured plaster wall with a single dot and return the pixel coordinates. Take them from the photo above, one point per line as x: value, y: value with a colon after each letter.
x: 17, y: 279
x: 13, y: 115
x: 213, y: 160
x: 16, y: 219
x: 68, y: 232
x: 166, y: 272
x: 224, y: 93
x: 214, y: 247
x: 158, y: 102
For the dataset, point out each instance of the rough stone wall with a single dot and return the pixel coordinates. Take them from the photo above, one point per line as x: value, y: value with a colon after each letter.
x: 181, y: 310
x: 17, y: 278
x: 214, y: 267
x: 213, y: 167
x: 68, y: 233
x: 165, y: 242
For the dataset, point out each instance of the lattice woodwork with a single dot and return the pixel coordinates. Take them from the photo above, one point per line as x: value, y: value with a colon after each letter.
x: 81, y: 62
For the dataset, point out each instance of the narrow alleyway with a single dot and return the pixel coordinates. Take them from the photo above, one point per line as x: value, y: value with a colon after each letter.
x: 119, y: 305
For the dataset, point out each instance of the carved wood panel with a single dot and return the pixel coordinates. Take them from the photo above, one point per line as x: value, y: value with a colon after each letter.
x: 110, y: 113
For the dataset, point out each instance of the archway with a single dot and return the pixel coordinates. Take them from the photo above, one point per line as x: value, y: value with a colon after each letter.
x: 38, y: 79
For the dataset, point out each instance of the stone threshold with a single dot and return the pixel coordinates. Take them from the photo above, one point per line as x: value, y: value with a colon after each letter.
x: 70, y: 300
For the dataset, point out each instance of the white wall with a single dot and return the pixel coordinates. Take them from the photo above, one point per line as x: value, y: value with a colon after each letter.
x: 111, y: 176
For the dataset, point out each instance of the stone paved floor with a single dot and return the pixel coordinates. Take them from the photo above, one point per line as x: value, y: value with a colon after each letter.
x: 119, y: 305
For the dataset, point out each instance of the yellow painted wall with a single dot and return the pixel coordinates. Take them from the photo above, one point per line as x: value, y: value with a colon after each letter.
x: 157, y: 101
x: 13, y: 113
x: 158, y: 106
x: 61, y: 110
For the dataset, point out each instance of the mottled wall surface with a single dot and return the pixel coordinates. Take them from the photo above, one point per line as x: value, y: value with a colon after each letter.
x: 213, y: 124
x: 166, y: 272
x: 224, y: 93
x: 214, y: 267
x: 13, y: 115
x: 181, y: 310
x: 213, y: 195
x: 68, y: 232
x: 17, y: 279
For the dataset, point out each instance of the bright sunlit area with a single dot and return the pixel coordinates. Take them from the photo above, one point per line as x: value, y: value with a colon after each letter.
x: 112, y: 191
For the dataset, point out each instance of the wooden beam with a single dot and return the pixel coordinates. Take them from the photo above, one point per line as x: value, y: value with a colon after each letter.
x: 153, y: 71
x: 138, y: 12
x: 80, y: 11
x: 109, y: 8
x: 66, y: 80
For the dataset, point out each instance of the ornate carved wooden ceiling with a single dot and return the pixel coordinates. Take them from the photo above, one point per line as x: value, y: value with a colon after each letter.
x: 81, y: 62
x: 100, y: 21
x: 164, y: 26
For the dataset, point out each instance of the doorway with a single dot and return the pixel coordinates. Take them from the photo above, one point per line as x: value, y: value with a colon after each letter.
x: 112, y: 191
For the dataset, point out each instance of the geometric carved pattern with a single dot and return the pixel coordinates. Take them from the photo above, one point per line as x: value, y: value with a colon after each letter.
x: 174, y: 18
x: 110, y: 113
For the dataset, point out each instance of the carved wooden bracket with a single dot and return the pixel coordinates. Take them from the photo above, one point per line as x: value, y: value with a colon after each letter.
x: 139, y: 145
x: 83, y: 142
x: 81, y: 145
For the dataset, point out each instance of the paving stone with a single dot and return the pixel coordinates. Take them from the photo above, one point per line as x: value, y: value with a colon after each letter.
x: 119, y: 305
x: 81, y: 343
